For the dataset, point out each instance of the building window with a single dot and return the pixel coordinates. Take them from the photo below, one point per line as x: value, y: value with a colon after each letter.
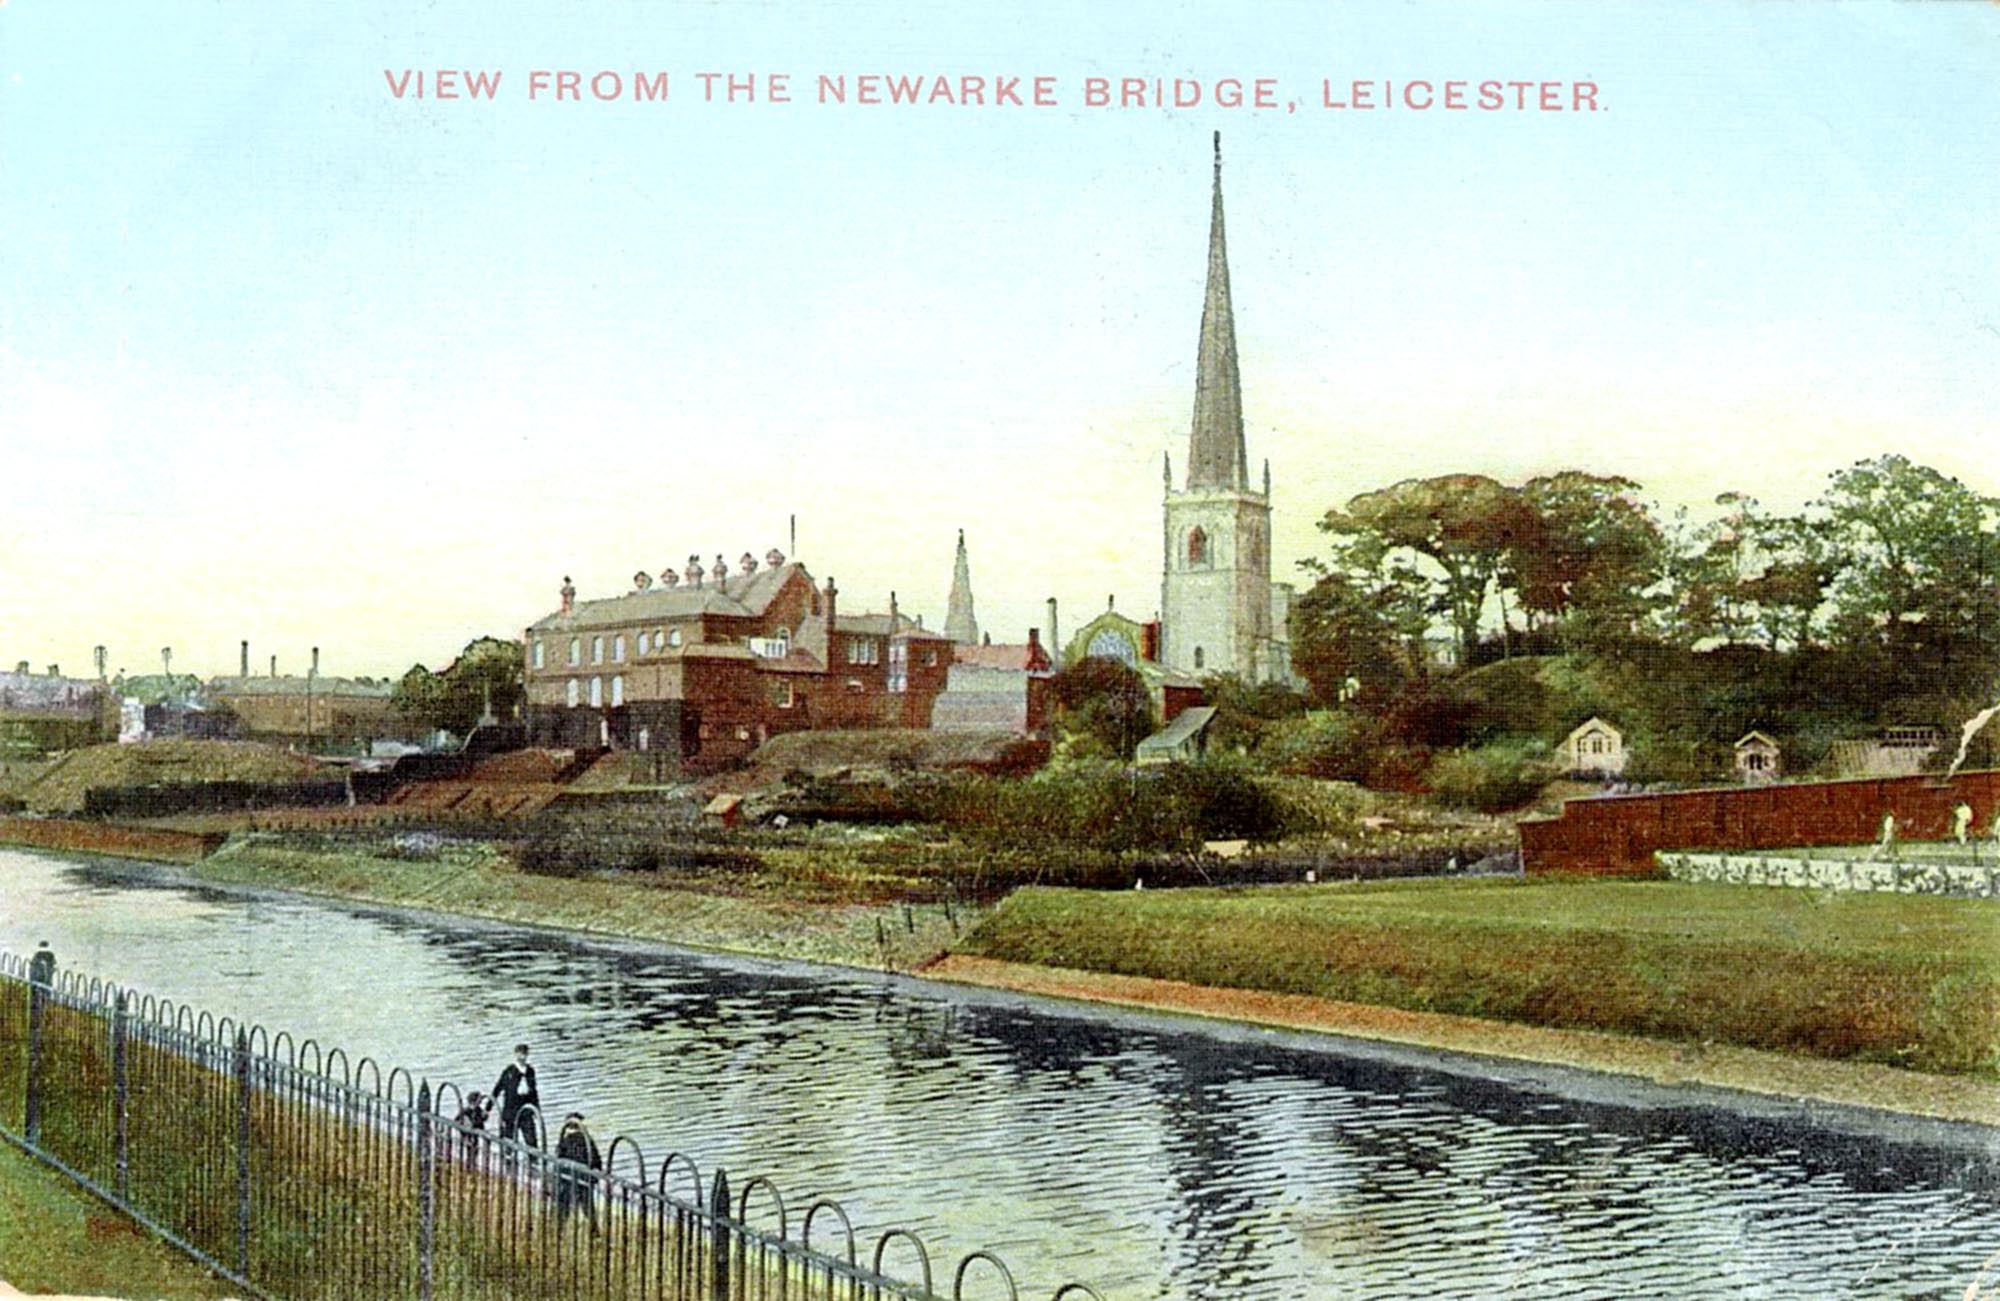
x: 864, y: 650
x: 1197, y: 548
x: 899, y: 666
x: 618, y: 691
x: 644, y: 644
x: 538, y: 655
x: 575, y: 650
x: 618, y: 649
x: 569, y: 691
x: 784, y: 694
x: 597, y: 693
x: 930, y: 656
x: 673, y: 636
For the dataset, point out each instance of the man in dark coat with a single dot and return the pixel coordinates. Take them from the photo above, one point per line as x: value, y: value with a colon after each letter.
x: 576, y: 1181
x: 516, y: 1090
x: 42, y: 967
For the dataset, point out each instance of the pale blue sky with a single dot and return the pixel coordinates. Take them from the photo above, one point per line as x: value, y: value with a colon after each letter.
x: 285, y: 358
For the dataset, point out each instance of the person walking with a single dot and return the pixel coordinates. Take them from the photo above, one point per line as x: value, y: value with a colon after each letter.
x: 578, y: 1164
x: 471, y: 1122
x: 42, y: 967
x: 516, y: 1091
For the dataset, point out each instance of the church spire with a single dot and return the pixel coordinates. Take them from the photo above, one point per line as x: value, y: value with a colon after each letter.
x: 1216, y: 457
x: 959, y: 625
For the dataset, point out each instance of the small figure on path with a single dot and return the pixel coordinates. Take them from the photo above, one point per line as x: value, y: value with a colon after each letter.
x: 516, y: 1090
x: 471, y: 1121
x: 1887, y: 844
x: 1961, y: 822
x: 42, y: 967
x: 577, y: 1187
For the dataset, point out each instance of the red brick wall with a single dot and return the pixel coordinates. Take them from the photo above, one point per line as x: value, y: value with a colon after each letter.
x: 1616, y: 835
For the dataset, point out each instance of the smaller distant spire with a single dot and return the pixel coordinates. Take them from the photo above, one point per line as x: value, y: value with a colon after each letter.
x: 959, y: 623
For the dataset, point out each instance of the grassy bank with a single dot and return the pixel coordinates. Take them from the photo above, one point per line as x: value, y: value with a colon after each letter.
x: 754, y: 913
x: 54, y: 1237
x: 1904, y: 980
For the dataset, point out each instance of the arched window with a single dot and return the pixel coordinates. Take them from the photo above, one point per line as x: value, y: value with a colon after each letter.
x: 570, y: 692
x: 596, y: 693
x: 618, y: 690
x: 618, y: 649
x: 597, y: 650
x: 643, y: 642
x: 576, y: 650
x: 673, y: 636
x: 1197, y: 548
x: 538, y: 655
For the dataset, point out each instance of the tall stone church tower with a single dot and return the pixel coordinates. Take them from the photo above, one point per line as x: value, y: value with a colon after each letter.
x: 1219, y: 610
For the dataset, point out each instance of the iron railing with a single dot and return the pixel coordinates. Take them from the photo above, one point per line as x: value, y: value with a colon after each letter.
x: 296, y: 1173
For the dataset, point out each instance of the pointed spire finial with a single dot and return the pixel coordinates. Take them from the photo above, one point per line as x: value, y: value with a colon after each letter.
x: 1216, y: 457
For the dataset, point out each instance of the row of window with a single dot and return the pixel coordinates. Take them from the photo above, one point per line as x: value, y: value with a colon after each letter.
x: 647, y: 643
x: 573, y: 691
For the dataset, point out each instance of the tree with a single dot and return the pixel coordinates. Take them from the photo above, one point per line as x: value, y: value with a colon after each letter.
x: 1921, y: 557
x: 1461, y: 528
x: 488, y: 669
x: 1358, y: 631
x: 1593, y: 561
x: 1104, y: 703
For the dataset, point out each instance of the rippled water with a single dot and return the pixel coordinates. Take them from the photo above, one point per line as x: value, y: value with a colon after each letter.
x: 1143, y: 1157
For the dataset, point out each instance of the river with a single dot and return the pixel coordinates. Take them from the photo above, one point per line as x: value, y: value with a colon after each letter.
x: 1148, y: 1157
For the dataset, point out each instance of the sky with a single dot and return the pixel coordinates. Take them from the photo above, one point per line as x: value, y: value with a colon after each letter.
x: 288, y: 358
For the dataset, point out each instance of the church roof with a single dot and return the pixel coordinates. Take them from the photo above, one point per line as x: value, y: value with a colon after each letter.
x: 1216, y: 456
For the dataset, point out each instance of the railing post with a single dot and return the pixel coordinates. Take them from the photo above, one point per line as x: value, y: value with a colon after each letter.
x: 37, y: 1001
x: 242, y: 1155
x: 719, y: 1236
x: 426, y: 1193
x: 121, y: 1083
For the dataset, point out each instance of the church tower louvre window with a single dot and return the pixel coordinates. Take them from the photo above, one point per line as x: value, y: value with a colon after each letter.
x: 1219, y: 610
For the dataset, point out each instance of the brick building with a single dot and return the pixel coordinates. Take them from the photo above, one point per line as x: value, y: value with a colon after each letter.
x: 706, y: 667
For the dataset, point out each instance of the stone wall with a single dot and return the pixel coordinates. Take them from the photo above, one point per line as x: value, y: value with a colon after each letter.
x: 1970, y: 880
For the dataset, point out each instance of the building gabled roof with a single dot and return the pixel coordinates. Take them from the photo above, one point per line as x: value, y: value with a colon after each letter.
x: 883, y: 625
x: 742, y: 596
x: 1754, y: 737
x: 1593, y: 722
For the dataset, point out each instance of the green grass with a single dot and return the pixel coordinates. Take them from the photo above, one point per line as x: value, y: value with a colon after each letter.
x: 1911, y: 981
x: 54, y: 1237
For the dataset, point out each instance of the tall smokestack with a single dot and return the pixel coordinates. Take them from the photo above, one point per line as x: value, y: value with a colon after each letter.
x: 167, y: 660
x: 274, y: 666
x: 314, y: 671
x: 1055, y: 637
x: 99, y: 655
x: 244, y: 670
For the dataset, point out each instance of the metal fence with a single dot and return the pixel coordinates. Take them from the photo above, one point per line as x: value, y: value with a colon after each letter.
x: 295, y: 1172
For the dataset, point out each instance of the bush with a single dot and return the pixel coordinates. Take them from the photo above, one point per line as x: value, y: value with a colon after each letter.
x: 1111, y: 808
x: 1492, y: 778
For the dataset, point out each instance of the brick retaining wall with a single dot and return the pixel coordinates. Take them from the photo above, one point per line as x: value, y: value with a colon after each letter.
x: 103, y: 838
x: 1616, y: 835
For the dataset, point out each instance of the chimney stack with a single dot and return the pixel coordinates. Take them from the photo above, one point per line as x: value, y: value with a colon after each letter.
x: 99, y: 656
x: 568, y: 595
x: 1055, y: 638
x: 22, y: 668
x: 894, y: 613
x: 313, y: 672
x: 244, y: 668
x: 55, y: 670
x: 167, y: 660
x: 274, y: 666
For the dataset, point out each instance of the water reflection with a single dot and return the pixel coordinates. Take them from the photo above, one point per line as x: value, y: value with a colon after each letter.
x: 1150, y: 1162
